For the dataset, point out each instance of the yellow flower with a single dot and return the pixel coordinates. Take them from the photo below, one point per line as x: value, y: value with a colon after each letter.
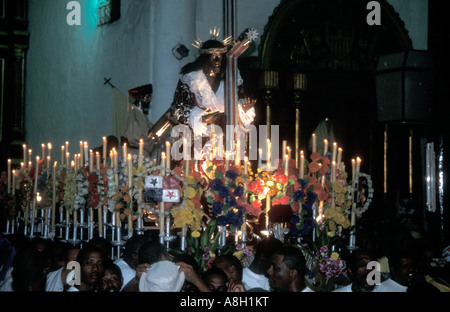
x: 330, y: 233
x: 239, y: 254
x: 191, y: 180
x: 191, y: 193
x: 195, y: 234
x: 334, y: 256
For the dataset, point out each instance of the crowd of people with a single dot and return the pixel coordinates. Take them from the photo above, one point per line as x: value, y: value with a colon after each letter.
x: 146, y: 265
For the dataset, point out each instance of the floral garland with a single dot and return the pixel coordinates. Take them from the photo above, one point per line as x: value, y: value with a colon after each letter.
x: 360, y: 209
x: 70, y: 189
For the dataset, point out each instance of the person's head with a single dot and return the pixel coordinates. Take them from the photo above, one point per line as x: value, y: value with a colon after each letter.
x: 358, y: 271
x: 91, y: 259
x: 30, y: 269
x: 402, y: 266
x: 111, y: 279
x: 188, y: 259
x: 216, y: 279
x: 211, y: 56
x: 287, y: 270
x: 102, y: 243
x: 132, y: 246
x: 162, y: 276
x: 231, y: 265
x: 68, y: 253
x: 152, y: 252
x: 263, y: 252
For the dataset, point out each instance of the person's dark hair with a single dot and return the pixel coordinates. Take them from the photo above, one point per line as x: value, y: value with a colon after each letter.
x: 203, y: 59
x: 86, y: 250
x: 65, y: 251
x: 187, y: 258
x: 113, y: 267
x: 103, y: 244
x: 352, y: 258
x: 214, y: 271
x: 293, y: 258
x: 230, y: 260
x: 151, y: 252
x: 133, y: 245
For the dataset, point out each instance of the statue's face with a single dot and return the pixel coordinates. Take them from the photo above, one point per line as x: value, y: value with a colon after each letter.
x: 215, y: 61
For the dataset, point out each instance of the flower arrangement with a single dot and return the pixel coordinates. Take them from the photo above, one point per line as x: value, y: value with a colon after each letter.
x: 227, y: 195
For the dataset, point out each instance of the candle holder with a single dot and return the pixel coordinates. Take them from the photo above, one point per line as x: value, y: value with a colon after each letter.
x: 139, y: 227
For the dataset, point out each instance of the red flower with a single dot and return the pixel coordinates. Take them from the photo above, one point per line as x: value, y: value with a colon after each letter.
x: 313, y: 167
x: 256, y: 203
x: 324, y: 169
x: 280, y: 177
x: 315, y: 156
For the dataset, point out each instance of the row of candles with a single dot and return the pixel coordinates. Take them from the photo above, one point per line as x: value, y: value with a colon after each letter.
x: 85, y: 154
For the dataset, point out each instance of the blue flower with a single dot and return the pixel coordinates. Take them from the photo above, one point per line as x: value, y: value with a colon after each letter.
x: 216, y: 184
x: 302, y: 183
x: 217, y: 208
x: 231, y: 174
x: 231, y: 201
x: 224, y: 191
x: 238, y: 191
x: 298, y: 195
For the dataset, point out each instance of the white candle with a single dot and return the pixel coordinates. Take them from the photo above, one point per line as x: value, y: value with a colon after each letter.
x: 49, y: 148
x: 97, y: 160
x: 339, y: 157
x: 353, y: 169
x: 116, y: 159
x: 43, y: 150
x: 325, y: 147
x: 141, y: 152
x: 226, y: 161
x: 283, y: 147
x: 63, y: 155
x: 104, y: 149
x: 314, y: 143
x: 125, y: 150
x: 269, y: 154
x: 24, y: 153
x: 168, y: 154
x: 30, y: 154
x: 13, y: 185
x: 68, y: 159
x: 358, y: 165
x: 81, y: 154
x: 267, y: 211
x: 286, y: 165
x: 91, y: 160
x: 35, y: 192
x: 289, y: 152
x: 302, y: 165
x: 130, y: 165
x: 53, y: 196
x: 86, y: 152
x: 48, y: 161
x: 334, y: 154
x: 245, y: 165
x: 8, y: 183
